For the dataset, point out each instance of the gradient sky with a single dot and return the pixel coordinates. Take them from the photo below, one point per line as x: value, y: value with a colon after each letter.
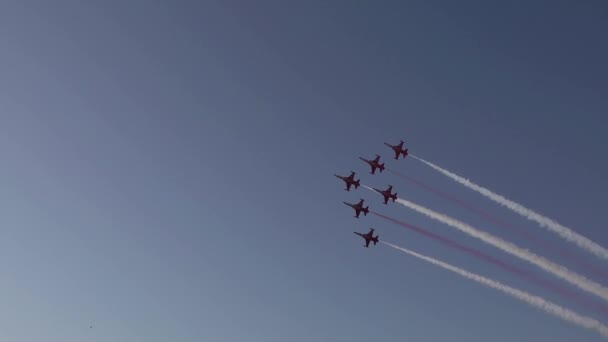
x: 167, y: 165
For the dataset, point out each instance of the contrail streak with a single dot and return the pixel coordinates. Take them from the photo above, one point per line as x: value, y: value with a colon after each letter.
x: 592, y: 304
x: 549, y: 266
x: 536, y: 301
x: 545, y: 222
x: 503, y: 224
x: 466, y: 205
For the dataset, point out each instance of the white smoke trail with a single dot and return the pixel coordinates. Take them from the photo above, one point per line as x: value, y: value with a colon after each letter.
x: 545, y: 222
x: 547, y: 265
x: 539, y: 302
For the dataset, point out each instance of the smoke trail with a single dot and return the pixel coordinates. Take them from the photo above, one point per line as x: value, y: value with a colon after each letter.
x: 464, y: 204
x: 503, y: 224
x: 549, y: 266
x: 545, y: 222
x: 495, y: 261
x: 536, y: 301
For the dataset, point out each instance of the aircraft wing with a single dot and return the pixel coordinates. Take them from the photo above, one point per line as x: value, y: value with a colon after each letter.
x: 367, y: 242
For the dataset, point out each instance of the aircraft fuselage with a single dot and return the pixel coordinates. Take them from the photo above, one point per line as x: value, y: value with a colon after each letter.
x: 369, y: 237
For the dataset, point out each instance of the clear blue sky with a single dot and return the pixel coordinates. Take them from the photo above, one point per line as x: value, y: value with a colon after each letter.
x: 167, y: 165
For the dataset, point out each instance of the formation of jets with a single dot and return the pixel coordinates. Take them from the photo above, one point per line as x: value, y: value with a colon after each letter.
x: 388, y: 194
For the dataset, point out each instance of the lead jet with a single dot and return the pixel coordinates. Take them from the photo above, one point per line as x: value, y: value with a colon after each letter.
x: 387, y: 194
x: 369, y: 237
x: 358, y: 208
x: 350, y: 180
x: 375, y: 164
x: 398, y: 149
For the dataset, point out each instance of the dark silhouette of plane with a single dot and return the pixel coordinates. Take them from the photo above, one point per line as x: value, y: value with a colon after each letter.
x: 375, y: 164
x: 350, y: 180
x: 358, y: 208
x: 398, y: 149
x: 387, y: 194
x: 369, y: 237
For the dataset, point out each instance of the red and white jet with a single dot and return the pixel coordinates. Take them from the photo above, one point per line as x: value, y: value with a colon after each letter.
x: 369, y: 237
x: 399, y: 150
x: 375, y: 164
x: 350, y: 180
x: 387, y: 194
x: 358, y: 208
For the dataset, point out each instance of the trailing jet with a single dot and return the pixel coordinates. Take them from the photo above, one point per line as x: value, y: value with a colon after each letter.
x: 387, y: 194
x: 398, y: 149
x: 375, y: 164
x: 350, y: 180
x: 369, y: 237
x: 358, y: 208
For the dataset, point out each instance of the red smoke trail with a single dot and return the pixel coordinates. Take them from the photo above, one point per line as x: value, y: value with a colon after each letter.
x: 503, y: 224
x: 493, y: 260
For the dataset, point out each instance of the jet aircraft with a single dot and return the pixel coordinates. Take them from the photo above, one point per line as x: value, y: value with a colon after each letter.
x: 375, y: 164
x: 399, y: 150
x: 369, y: 237
x: 358, y: 208
x: 387, y: 194
x: 350, y: 180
